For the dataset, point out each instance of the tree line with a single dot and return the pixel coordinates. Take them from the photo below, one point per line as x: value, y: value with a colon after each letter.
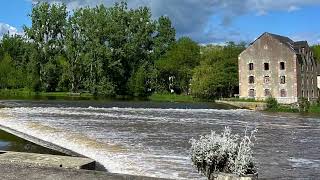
x: 112, y: 51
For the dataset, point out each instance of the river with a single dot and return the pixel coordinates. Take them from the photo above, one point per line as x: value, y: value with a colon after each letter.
x: 152, y: 139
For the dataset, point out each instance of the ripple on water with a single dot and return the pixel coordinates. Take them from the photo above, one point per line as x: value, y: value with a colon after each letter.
x: 155, y: 142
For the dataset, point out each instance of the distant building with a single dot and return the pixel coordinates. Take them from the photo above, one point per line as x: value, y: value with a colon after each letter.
x: 276, y: 66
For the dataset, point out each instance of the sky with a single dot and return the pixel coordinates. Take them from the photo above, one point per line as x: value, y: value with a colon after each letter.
x: 205, y: 21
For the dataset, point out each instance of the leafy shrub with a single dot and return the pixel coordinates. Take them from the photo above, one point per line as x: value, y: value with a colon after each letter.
x: 225, y: 152
x: 304, y: 105
x: 272, y: 103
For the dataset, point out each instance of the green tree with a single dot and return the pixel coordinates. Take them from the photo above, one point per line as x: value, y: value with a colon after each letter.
x: 316, y: 52
x: 164, y: 38
x: 178, y: 64
x: 48, y: 32
x: 217, y: 76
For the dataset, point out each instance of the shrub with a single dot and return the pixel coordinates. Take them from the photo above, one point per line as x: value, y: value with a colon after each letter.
x: 272, y: 103
x: 304, y: 105
x: 224, y: 152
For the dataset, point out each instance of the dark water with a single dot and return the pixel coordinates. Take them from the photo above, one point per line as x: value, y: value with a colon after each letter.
x: 152, y: 139
x: 9, y: 142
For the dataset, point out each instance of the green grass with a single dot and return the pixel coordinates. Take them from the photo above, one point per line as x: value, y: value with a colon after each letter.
x: 26, y: 93
x: 314, y: 109
x: 240, y: 100
x: 283, y: 109
x: 172, y: 98
x: 16, y: 92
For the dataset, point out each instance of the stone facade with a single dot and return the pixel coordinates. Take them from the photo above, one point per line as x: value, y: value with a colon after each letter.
x: 275, y: 66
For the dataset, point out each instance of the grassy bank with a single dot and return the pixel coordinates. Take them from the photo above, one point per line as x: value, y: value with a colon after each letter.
x: 26, y: 93
x: 240, y: 100
x: 173, y: 98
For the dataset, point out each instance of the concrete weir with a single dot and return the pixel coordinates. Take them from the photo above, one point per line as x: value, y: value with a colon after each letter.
x: 45, y: 160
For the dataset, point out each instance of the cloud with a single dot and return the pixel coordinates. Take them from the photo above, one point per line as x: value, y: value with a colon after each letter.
x: 311, y: 37
x: 191, y: 17
x: 6, y: 28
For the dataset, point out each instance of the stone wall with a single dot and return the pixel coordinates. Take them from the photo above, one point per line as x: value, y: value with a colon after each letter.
x: 268, y: 50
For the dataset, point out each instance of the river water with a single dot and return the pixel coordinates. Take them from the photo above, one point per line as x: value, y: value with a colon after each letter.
x: 152, y: 139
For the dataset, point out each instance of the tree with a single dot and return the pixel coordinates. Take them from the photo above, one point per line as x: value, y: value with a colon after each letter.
x: 11, y: 77
x: 48, y: 32
x: 102, y: 50
x: 164, y: 38
x: 178, y: 64
x: 217, y: 76
x: 316, y: 52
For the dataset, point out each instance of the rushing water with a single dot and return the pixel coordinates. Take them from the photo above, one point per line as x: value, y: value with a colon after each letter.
x: 153, y: 139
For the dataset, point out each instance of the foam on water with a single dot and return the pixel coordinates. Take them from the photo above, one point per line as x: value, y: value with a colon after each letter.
x: 54, y: 125
x: 154, y: 142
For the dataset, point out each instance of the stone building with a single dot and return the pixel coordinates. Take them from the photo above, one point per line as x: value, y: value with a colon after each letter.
x: 276, y: 66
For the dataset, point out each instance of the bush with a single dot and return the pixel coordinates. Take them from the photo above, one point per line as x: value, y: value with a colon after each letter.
x: 272, y: 103
x: 304, y: 105
x: 226, y: 152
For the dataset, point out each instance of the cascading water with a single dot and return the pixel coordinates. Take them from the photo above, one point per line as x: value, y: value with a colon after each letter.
x: 155, y: 142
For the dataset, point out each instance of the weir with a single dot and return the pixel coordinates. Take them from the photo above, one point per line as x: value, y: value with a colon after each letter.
x: 155, y: 141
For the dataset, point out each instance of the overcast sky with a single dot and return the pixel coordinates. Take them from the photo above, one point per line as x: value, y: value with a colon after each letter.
x: 206, y: 21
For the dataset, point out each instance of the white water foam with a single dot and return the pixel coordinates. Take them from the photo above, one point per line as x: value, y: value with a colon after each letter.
x: 108, y: 148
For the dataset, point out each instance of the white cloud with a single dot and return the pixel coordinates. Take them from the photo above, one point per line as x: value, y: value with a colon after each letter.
x: 6, y: 28
x: 293, y: 8
x: 311, y: 37
x: 191, y: 17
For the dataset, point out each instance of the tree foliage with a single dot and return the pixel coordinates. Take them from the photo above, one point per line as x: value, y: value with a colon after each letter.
x: 316, y: 52
x: 113, y: 51
x: 178, y: 63
x: 102, y: 50
x: 217, y: 75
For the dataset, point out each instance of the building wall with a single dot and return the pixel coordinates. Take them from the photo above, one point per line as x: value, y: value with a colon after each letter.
x: 267, y: 49
x: 307, y: 76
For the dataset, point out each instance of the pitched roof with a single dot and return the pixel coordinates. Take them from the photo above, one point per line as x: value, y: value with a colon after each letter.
x: 290, y: 43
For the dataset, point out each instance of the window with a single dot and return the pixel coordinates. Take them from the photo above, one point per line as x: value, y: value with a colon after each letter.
x: 282, y: 79
x: 282, y: 66
x: 302, y: 93
x: 283, y: 93
x: 251, y: 93
x: 250, y: 66
x: 267, y: 93
x: 266, y: 66
x: 251, y: 79
x: 267, y: 79
x: 312, y: 93
x: 302, y: 68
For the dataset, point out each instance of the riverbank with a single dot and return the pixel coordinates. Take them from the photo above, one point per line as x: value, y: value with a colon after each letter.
x: 257, y: 106
x: 28, y: 94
